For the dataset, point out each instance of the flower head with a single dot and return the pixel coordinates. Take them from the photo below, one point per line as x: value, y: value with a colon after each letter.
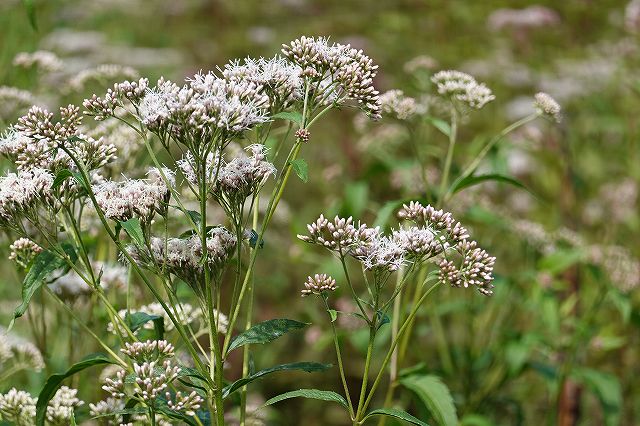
x: 319, y: 284
x: 546, y: 105
x: 463, y: 88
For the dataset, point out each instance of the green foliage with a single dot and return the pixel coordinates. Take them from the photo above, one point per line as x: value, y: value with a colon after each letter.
x: 265, y: 332
x: 301, y: 168
x: 398, y: 414
x: 310, y: 394
x: 435, y: 395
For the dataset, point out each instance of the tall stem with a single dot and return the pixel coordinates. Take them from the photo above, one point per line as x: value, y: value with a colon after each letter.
x: 339, y: 356
x: 447, y: 163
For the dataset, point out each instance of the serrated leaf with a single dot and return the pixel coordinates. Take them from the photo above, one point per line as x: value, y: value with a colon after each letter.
x: 435, y: 395
x: 467, y: 181
x: 42, y: 265
x: 301, y: 168
x: 398, y: 414
x: 134, y: 230
x: 55, y: 380
x: 607, y: 388
x: 309, y: 367
x: 311, y: 394
x: 296, y: 117
x: 441, y: 125
x: 265, y: 332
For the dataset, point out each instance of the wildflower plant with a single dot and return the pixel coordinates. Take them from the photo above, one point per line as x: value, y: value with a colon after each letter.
x: 64, y: 179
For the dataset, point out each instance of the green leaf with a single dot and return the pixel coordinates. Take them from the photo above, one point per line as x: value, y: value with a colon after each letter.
x: 475, y: 420
x: 311, y: 394
x: 441, y: 125
x: 195, y: 216
x: 309, y: 367
x: 560, y: 260
x: 61, y: 176
x: 134, y: 230
x: 296, y: 117
x: 467, y: 181
x: 132, y: 410
x: 435, y: 395
x: 333, y: 314
x: 265, y: 332
x: 55, y: 380
x: 301, y: 168
x: 386, y: 212
x: 31, y: 13
x: 138, y: 319
x: 398, y: 414
x: 608, y: 390
x: 40, y: 268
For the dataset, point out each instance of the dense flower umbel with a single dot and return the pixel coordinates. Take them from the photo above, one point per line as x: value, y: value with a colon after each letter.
x: 149, y: 350
x: 280, y: 80
x: 21, y: 194
x: 341, y: 235
x: 141, y: 198
x: 182, y: 256
x: 395, y: 103
x: 318, y: 284
x: 463, y: 88
x: 340, y: 72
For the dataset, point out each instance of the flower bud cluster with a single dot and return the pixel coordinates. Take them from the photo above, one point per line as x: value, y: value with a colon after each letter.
x: 61, y: 408
x: 463, y: 88
x: 141, y: 198
x: 341, y: 235
x: 476, y: 268
x: 149, y: 350
x: 184, y: 403
x: 183, y: 257
x: 19, y: 351
x: 395, y: 103
x: 23, y: 250
x: 18, y: 407
x: 42, y: 59
x: 346, y: 73
x: 318, y: 284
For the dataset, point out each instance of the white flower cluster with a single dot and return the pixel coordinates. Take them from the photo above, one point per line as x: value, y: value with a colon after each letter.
x: 395, y: 103
x: 436, y: 234
x: 23, y: 250
x: 339, y: 71
x: 22, y: 193
x: 529, y: 17
x: 280, y: 80
x: 18, y: 351
x: 207, y: 107
x: 34, y: 141
x: 154, y: 371
x: 546, y: 105
x: 476, y: 266
x: 42, y: 59
x: 62, y: 406
x: 182, y: 257
x: 463, y: 88
x: 18, y: 407
x: 141, y: 198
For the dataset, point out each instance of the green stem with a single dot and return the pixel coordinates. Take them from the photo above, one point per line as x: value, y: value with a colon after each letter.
x: 447, y: 164
x: 365, y: 375
x: 343, y: 377
x: 387, y: 358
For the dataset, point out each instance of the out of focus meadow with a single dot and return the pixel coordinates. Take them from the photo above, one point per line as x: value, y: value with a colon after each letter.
x: 557, y: 342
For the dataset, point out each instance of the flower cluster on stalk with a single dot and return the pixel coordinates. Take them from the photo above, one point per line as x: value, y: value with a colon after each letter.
x: 435, y: 237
